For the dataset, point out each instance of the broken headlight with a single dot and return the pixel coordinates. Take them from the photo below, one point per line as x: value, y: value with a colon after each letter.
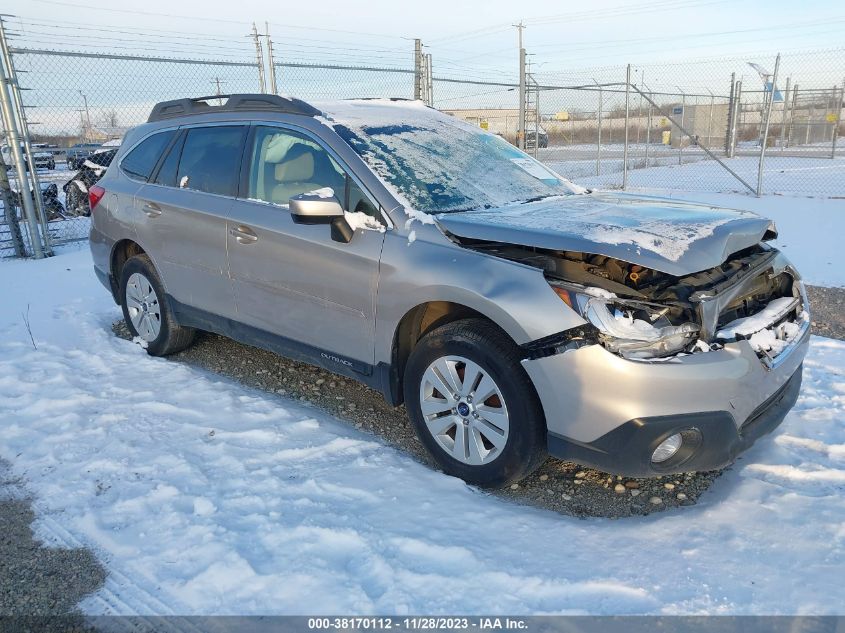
x: 633, y: 329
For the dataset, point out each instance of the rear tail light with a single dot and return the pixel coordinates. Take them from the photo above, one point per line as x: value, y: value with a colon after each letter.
x: 95, y: 194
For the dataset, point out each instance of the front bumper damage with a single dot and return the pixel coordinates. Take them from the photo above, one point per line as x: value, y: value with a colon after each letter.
x: 611, y: 413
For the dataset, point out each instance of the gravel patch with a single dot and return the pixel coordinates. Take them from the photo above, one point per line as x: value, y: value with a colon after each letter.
x: 38, y: 580
x: 559, y: 486
x: 827, y: 310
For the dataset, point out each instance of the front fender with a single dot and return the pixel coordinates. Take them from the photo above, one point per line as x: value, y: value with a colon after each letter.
x: 514, y: 296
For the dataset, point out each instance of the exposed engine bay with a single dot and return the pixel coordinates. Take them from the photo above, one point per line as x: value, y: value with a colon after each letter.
x: 667, y: 315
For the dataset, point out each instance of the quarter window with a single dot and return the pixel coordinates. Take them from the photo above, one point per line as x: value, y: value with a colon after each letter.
x: 211, y: 158
x: 140, y: 162
x: 167, y: 172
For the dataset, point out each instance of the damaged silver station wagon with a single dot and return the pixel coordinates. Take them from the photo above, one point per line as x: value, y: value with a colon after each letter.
x: 514, y: 313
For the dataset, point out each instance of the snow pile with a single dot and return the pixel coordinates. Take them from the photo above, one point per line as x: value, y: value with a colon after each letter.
x: 201, y: 496
x: 774, y: 310
x: 360, y: 220
x: 774, y: 339
x: 322, y: 192
x: 758, y: 328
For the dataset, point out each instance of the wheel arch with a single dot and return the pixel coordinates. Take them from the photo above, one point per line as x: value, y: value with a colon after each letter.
x: 120, y: 254
x: 413, y: 326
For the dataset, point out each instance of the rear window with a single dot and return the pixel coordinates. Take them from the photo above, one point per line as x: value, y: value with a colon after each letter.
x: 211, y: 159
x: 140, y: 161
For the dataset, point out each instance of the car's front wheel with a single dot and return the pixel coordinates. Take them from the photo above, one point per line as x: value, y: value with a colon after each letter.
x: 145, y: 309
x: 472, y: 404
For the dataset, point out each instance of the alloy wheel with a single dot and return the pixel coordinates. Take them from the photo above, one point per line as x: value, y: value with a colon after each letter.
x: 143, y: 306
x: 464, y: 410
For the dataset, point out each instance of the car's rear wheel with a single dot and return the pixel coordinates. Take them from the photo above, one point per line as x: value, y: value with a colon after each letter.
x: 472, y: 404
x: 145, y: 309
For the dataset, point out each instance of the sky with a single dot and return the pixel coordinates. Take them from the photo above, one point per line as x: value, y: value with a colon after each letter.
x: 464, y: 38
x: 678, y: 46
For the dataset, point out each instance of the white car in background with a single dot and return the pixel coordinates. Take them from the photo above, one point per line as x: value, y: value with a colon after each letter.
x: 42, y: 156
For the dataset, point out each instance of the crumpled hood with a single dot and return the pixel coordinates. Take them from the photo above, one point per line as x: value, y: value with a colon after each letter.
x: 677, y: 238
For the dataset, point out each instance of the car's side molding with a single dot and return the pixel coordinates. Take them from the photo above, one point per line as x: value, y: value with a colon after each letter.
x: 193, y: 317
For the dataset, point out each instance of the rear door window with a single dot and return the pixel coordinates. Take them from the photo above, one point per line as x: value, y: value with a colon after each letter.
x: 211, y: 159
x: 140, y: 162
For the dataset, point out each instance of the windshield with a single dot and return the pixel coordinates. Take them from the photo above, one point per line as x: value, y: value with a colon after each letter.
x: 439, y: 163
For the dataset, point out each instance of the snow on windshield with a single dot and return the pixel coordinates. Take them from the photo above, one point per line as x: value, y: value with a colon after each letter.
x: 439, y: 163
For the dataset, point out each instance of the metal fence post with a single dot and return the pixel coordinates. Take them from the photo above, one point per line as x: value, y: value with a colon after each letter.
x: 20, y: 169
x: 792, y: 114
x: 418, y: 69
x: 766, y: 128
x: 840, y: 98
x: 737, y: 108
x: 647, y: 129
x: 598, y: 127
x: 17, y: 102
x: 731, y: 99
x: 627, y: 121
x: 784, y: 114
x: 681, y: 139
x: 429, y: 79
x: 710, y: 120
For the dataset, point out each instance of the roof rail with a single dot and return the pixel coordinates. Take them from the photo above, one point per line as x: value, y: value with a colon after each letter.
x: 233, y: 103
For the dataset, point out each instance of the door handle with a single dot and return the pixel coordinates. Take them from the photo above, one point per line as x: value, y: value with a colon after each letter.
x: 243, y: 234
x: 151, y: 209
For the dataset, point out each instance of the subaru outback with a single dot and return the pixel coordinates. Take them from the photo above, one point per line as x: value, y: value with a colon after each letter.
x: 514, y: 313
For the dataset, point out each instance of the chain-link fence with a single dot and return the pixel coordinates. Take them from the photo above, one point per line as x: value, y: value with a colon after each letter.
x: 699, y: 126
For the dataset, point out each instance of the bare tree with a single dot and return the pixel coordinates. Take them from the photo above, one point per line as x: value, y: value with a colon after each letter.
x: 109, y: 119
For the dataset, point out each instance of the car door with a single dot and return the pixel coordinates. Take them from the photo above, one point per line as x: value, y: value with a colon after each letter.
x: 182, y: 214
x: 292, y: 280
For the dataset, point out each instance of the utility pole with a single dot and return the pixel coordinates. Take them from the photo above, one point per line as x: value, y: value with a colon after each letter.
x: 271, y: 68
x: 418, y: 69
x: 259, y: 56
x: 520, y: 133
x: 216, y: 81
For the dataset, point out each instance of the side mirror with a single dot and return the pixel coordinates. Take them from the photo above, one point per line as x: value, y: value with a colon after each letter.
x: 312, y: 208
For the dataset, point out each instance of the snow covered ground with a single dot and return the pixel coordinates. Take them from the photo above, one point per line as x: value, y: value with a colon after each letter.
x: 781, y: 175
x: 201, y: 496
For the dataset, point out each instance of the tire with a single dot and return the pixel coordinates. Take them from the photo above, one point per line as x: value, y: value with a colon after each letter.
x: 490, y: 355
x: 76, y: 200
x: 158, y: 329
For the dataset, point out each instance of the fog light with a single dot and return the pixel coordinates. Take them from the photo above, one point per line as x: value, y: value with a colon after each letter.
x: 667, y: 448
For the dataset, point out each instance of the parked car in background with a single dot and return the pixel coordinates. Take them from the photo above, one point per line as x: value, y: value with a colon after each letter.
x: 77, y: 153
x: 540, y: 138
x: 42, y: 156
x: 514, y: 313
x: 90, y: 172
